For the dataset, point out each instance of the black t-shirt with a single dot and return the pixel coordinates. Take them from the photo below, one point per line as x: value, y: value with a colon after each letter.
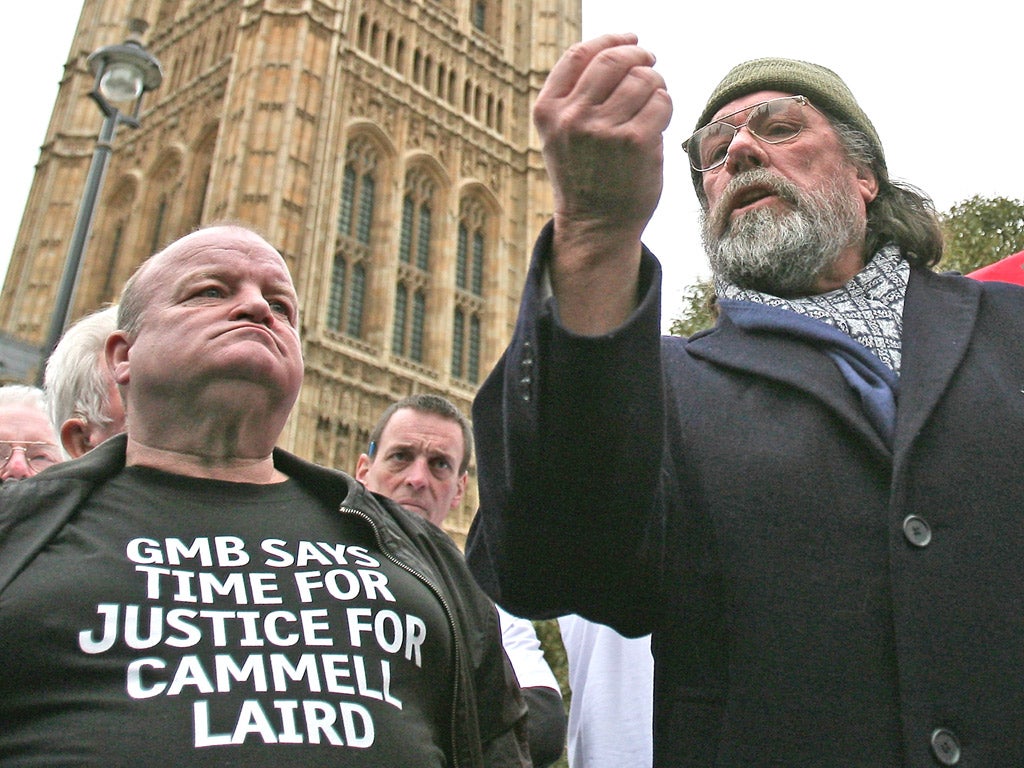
x: 176, y: 621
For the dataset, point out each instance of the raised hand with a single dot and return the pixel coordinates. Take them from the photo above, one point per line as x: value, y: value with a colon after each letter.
x: 601, y: 115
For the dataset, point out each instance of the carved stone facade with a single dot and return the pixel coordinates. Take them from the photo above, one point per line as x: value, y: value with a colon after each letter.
x: 383, y: 146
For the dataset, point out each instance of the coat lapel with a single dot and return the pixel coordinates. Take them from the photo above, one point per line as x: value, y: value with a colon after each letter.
x: 938, y: 319
x: 788, y: 361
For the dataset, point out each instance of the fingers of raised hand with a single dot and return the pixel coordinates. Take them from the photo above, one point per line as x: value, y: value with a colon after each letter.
x: 640, y: 99
x: 567, y: 71
x: 614, y: 84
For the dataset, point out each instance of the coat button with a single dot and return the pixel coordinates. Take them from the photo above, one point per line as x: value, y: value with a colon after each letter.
x: 945, y: 746
x: 917, y: 531
x: 525, y: 384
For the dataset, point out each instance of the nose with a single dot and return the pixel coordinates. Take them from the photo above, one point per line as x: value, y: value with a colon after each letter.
x: 251, y: 305
x: 745, y: 152
x: 417, y: 474
x: 17, y: 467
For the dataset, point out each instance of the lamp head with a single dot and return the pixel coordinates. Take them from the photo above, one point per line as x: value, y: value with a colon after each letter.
x: 124, y: 72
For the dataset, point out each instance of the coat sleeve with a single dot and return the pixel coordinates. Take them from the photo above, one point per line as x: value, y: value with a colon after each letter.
x: 501, y: 710
x: 570, y: 438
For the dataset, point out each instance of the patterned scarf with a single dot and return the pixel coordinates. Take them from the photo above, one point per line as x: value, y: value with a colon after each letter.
x: 869, y: 308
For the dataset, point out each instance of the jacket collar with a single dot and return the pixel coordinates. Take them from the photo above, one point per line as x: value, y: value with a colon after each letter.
x: 108, y: 458
x: 938, y: 319
x: 33, y: 510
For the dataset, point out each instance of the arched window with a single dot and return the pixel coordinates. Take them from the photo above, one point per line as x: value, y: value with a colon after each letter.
x: 335, y: 300
x: 346, y: 300
x: 363, y: 35
x: 417, y: 220
x: 419, y: 318
x: 470, y: 263
x: 473, y: 362
x: 113, y: 259
x: 156, y: 236
x: 401, y: 307
x: 164, y: 198
x: 354, y: 327
x: 374, y: 49
x: 400, y: 56
x: 478, y: 263
x: 458, y: 343
x: 423, y: 236
x: 414, y: 260
x: 462, y: 257
x: 485, y: 16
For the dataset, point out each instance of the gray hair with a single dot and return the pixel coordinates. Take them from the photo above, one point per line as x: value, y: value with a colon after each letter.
x: 13, y: 395
x: 76, y: 381
x: 900, y: 213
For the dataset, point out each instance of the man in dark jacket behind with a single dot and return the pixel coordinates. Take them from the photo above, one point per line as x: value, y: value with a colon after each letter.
x: 418, y: 456
x: 186, y: 594
x: 816, y: 506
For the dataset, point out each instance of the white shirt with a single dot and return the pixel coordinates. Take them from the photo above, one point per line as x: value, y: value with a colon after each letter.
x: 524, y: 652
x: 612, y: 682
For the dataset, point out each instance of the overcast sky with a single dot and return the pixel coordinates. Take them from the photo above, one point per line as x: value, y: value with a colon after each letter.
x: 942, y: 83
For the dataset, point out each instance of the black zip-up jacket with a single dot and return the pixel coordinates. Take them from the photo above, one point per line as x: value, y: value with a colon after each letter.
x: 488, y: 719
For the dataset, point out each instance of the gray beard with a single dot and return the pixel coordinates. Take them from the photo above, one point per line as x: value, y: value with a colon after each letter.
x: 782, y: 254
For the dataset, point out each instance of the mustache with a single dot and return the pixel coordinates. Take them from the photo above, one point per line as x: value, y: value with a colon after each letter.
x: 740, y: 187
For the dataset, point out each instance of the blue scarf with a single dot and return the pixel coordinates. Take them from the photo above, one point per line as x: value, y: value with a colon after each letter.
x: 869, y: 308
x: 859, y: 326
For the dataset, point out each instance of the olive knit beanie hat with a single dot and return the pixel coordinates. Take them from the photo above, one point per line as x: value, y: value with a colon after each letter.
x: 822, y: 86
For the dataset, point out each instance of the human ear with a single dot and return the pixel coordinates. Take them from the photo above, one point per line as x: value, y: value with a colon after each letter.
x: 462, y: 489
x: 867, y: 185
x: 362, y: 468
x: 74, y: 436
x: 116, y: 351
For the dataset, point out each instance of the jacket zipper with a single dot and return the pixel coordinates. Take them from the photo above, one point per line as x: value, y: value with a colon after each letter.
x: 444, y: 604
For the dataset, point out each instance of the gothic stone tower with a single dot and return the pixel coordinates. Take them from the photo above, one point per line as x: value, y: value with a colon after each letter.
x: 383, y: 146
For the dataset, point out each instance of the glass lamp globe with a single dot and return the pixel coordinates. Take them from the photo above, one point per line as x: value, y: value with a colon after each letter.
x: 121, y: 82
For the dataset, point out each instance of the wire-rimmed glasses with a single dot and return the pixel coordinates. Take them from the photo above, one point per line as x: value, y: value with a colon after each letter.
x: 38, y: 454
x: 774, y: 122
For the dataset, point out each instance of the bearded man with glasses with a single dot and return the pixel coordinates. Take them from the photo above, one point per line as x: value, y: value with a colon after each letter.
x: 814, y: 506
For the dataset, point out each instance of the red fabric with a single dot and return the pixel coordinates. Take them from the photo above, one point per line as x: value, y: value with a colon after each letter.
x: 1008, y: 270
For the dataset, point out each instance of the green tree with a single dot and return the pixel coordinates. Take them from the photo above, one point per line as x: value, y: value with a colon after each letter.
x: 698, y: 310
x: 980, y: 231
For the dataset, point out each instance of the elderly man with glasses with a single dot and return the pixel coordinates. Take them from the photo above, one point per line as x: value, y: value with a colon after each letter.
x: 814, y: 506
x: 28, y: 442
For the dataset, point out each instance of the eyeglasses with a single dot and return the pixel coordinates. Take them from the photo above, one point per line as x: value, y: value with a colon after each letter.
x: 38, y: 454
x: 774, y: 122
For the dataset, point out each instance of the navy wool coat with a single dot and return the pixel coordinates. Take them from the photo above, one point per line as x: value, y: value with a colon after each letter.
x: 817, y: 596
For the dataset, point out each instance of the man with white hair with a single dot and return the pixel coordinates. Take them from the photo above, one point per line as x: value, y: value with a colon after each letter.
x: 84, y: 404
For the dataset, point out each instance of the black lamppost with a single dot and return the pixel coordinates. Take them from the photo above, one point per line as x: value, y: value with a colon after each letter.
x: 124, y: 73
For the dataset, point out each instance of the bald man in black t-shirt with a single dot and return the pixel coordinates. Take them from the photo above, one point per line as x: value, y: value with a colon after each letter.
x: 186, y: 594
